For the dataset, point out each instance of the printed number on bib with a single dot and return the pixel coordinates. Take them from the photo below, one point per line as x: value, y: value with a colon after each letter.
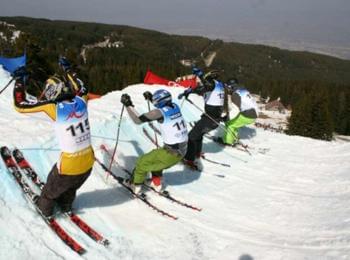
x: 80, y: 128
x: 179, y: 125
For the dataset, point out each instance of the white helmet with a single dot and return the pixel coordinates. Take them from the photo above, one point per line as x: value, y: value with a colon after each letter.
x: 57, y: 90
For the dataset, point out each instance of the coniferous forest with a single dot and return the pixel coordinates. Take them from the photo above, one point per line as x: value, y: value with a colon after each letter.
x: 317, y: 87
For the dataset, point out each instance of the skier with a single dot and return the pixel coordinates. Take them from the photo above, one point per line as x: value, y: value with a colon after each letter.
x: 66, y: 105
x: 212, y: 89
x: 247, y: 114
x: 174, y: 133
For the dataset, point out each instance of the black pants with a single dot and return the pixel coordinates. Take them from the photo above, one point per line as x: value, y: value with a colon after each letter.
x: 60, y: 189
x: 195, y: 136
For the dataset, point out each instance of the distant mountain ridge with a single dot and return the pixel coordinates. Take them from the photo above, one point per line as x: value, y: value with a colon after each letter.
x: 162, y: 53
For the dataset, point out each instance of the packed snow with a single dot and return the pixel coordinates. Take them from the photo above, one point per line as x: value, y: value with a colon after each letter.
x: 288, y: 200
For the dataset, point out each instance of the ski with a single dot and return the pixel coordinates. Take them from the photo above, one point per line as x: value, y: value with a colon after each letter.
x: 164, y: 194
x: 167, y: 195
x: 32, y: 196
x: 31, y: 173
x: 27, y: 169
x: 144, y: 199
x: 244, y: 147
x: 88, y: 230
x: 215, y: 162
x: 269, y: 127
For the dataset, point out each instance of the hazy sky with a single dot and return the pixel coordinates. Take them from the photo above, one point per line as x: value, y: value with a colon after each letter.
x: 318, y: 22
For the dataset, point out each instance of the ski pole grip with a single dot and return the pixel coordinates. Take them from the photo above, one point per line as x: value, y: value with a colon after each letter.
x: 148, y: 96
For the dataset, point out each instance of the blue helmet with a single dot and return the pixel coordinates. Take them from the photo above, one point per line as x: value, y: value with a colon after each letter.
x: 161, y: 97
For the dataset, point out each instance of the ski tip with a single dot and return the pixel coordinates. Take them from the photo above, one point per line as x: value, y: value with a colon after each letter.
x: 81, y: 251
x: 4, y: 149
x: 171, y: 216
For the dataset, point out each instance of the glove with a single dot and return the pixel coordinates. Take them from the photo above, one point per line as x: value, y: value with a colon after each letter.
x: 148, y: 96
x: 185, y: 94
x: 126, y: 100
x: 178, y: 79
x: 198, y: 72
x: 64, y: 63
x: 20, y: 73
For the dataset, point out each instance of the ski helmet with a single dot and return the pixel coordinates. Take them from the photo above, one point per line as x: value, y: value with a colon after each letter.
x: 232, y: 84
x: 57, y: 90
x: 161, y: 97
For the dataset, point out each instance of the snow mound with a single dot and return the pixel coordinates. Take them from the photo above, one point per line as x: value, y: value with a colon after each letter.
x: 289, y: 200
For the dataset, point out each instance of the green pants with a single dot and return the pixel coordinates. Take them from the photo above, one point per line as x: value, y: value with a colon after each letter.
x: 232, y: 126
x: 154, y: 161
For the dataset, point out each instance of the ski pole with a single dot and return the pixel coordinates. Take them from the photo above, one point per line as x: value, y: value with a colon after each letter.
x: 116, y: 142
x: 212, y: 119
x: 210, y: 137
x: 227, y: 130
x: 151, y: 125
x: 8, y: 84
x: 182, y: 103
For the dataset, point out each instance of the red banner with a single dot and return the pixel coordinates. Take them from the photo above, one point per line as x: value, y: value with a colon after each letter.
x: 152, y: 78
x: 93, y: 96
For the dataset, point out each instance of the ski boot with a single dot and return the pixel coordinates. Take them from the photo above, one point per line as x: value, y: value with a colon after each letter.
x: 157, y: 183
x: 193, y: 165
x: 135, y: 188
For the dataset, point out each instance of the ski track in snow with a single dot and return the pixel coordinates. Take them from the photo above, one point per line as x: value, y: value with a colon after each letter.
x: 289, y: 200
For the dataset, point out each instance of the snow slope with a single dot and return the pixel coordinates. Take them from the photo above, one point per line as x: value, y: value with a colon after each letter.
x: 289, y: 200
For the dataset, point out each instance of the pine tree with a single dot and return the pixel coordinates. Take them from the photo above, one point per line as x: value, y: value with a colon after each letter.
x: 311, y: 117
x: 322, y: 123
x: 300, y: 120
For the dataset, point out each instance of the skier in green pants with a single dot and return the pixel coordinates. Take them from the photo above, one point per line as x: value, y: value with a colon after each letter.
x: 241, y: 97
x: 174, y: 133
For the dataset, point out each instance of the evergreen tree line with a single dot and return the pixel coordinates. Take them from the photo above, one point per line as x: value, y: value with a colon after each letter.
x: 316, y: 86
x: 318, y: 108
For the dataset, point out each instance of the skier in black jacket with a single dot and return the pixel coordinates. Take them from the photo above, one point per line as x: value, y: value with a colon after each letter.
x: 212, y: 89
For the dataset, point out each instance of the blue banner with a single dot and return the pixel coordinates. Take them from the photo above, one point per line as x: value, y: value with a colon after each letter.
x: 11, y: 64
